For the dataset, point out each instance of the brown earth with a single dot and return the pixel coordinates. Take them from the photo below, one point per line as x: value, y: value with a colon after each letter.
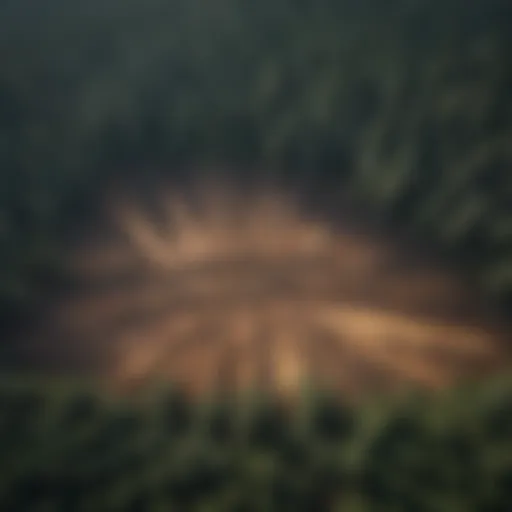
x: 230, y: 289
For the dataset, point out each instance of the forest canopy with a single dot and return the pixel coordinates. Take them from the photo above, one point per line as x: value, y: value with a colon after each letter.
x: 407, y: 104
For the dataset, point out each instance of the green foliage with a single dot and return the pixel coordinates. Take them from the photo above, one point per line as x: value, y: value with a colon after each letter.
x: 405, y: 105
x: 80, y: 451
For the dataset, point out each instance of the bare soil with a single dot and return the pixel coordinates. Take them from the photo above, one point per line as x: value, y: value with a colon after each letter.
x: 230, y: 290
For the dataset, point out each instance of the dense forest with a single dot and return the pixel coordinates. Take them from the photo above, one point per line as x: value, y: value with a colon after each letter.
x: 405, y: 104
x: 69, y: 449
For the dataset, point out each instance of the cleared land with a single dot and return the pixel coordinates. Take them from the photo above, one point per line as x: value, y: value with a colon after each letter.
x: 230, y: 289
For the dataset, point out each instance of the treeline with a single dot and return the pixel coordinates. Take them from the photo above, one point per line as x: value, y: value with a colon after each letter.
x: 75, y: 450
x: 405, y: 104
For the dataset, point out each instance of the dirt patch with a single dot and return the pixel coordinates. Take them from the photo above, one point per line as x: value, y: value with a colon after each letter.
x: 223, y: 288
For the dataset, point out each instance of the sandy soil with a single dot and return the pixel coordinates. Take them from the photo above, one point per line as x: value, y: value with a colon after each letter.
x: 230, y: 290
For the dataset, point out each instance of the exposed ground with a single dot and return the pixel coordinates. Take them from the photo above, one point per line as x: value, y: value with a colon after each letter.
x: 231, y: 289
